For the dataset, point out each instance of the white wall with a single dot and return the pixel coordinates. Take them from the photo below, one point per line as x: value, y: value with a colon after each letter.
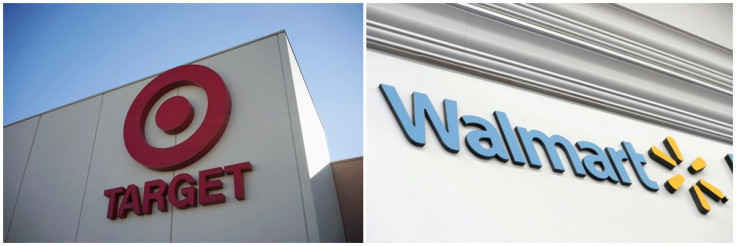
x: 426, y: 194
x: 314, y: 143
x: 78, y: 152
x: 709, y: 21
x: 593, y: 72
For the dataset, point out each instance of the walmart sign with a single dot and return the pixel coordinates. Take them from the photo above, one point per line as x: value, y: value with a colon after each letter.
x: 516, y: 143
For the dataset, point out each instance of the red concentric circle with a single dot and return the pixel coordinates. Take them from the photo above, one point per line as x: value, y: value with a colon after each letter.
x: 204, y: 138
x: 174, y: 115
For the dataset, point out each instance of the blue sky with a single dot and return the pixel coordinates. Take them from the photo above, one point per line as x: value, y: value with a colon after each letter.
x: 55, y: 54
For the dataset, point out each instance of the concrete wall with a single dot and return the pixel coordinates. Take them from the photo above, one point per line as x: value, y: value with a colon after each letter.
x: 77, y: 152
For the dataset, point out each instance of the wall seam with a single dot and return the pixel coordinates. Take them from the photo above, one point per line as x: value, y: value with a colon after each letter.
x: 33, y: 142
x: 173, y: 174
x: 89, y: 167
x: 291, y: 126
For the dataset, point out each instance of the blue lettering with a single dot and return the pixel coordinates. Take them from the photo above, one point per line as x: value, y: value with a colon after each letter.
x: 518, y: 141
x: 637, y: 161
x: 414, y: 130
x: 527, y: 139
x: 599, y: 157
x: 512, y: 144
x: 618, y: 158
x: 486, y: 132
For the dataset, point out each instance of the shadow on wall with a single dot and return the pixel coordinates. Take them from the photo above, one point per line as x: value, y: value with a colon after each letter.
x: 346, y: 178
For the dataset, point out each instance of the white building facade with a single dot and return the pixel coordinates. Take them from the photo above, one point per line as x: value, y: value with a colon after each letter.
x: 239, y: 163
x: 534, y: 123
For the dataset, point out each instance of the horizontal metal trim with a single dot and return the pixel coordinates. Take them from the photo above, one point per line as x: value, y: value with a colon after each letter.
x: 398, y: 33
x: 668, y: 26
x: 574, y: 32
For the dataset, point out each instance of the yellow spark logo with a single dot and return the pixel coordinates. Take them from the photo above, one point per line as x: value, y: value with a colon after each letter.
x: 700, y: 189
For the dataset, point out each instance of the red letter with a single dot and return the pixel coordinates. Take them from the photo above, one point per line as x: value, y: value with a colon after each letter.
x: 190, y: 193
x: 205, y: 186
x: 131, y: 201
x: 237, y: 171
x: 112, y: 206
x: 149, y: 196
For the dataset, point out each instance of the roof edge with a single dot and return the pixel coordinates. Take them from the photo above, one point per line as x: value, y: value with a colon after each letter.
x: 346, y: 160
x: 148, y: 77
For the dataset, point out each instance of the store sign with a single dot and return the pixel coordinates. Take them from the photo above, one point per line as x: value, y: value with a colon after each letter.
x: 517, y: 144
x: 172, y: 117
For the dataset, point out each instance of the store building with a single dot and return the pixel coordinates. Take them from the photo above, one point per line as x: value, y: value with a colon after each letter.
x: 228, y: 148
x: 535, y: 123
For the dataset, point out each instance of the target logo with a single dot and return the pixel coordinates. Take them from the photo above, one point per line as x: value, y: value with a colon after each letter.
x: 175, y: 115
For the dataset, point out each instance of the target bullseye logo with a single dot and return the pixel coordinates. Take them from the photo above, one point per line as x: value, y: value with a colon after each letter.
x: 175, y: 115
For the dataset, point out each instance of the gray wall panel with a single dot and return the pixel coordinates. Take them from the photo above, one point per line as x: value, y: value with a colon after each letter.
x: 112, y: 167
x: 17, y: 139
x: 50, y: 197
